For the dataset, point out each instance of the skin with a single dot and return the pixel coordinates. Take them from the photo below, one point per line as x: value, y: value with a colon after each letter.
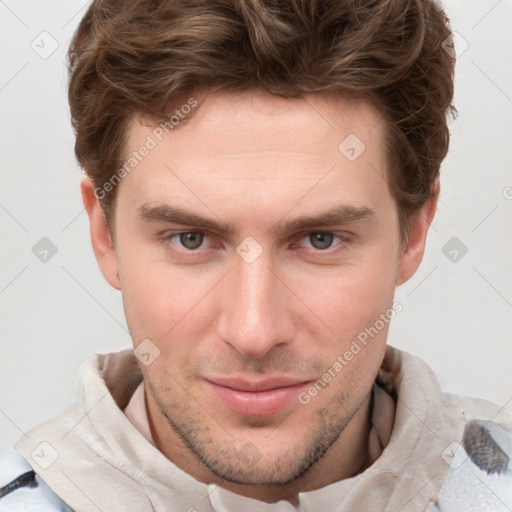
x: 255, y: 162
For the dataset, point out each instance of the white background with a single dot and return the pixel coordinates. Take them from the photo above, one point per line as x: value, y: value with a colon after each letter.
x: 457, y: 316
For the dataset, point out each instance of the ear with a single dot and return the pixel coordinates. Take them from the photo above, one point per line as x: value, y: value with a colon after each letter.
x: 100, y: 235
x: 417, y: 237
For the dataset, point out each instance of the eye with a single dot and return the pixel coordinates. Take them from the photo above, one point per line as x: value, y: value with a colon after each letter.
x: 321, y: 240
x: 190, y: 240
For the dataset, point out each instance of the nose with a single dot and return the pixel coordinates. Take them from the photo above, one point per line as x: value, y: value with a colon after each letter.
x: 256, y: 310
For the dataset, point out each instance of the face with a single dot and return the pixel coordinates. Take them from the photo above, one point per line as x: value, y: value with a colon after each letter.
x: 252, y: 250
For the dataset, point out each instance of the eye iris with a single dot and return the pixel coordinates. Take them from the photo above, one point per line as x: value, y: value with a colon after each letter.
x: 321, y: 240
x: 191, y: 240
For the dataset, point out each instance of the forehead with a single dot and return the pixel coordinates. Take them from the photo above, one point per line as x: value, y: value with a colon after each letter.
x: 264, y: 122
x: 256, y: 146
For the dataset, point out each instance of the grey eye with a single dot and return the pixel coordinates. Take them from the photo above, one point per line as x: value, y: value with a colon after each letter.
x: 321, y: 240
x: 191, y: 240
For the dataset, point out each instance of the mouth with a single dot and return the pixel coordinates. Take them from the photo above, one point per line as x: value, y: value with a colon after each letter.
x: 255, y: 398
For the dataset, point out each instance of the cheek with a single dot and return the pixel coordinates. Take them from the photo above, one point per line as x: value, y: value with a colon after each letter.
x: 354, y: 313
x: 350, y: 301
x: 149, y: 297
x: 163, y: 302
x: 357, y: 290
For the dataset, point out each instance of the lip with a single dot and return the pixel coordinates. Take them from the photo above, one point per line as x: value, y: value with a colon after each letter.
x: 263, y: 397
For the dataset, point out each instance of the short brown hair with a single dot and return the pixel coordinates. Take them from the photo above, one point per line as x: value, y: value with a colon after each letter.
x: 144, y: 56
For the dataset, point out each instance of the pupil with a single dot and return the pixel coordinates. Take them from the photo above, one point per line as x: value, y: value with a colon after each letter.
x: 191, y: 240
x: 321, y: 240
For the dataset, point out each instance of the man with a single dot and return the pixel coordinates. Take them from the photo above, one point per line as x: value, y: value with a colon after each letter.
x: 260, y: 176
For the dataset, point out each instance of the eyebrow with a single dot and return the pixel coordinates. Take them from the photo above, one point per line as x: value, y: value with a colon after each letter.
x: 332, y: 217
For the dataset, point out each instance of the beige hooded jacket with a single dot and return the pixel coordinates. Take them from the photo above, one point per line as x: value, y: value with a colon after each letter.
x: 93, y: 458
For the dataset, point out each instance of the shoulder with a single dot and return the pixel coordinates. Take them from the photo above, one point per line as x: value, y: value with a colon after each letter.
x: 22, y: 490
x: 471, y: 436
x: 480, y: 475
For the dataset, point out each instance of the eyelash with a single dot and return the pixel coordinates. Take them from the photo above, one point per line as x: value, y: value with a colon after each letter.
x: 344, y: 240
